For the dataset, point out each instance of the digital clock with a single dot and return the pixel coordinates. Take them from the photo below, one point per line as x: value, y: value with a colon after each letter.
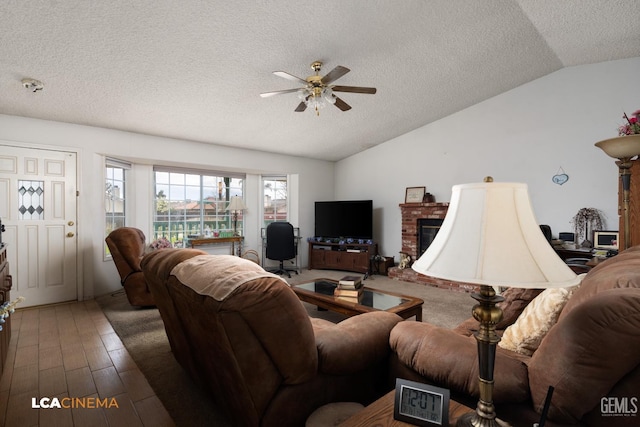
x: 421, y: 404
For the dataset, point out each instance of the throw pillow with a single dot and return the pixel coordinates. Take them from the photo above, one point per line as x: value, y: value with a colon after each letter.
x: 525, y: 335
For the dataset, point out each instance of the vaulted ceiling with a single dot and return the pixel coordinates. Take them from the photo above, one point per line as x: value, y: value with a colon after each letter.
x: 194, y: 69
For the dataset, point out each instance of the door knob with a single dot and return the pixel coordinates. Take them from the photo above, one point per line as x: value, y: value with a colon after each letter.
x: 70, y: 234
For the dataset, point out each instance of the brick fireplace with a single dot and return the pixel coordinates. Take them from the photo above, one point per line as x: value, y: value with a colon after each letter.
x: 412, y: 213
x: 415, y: 218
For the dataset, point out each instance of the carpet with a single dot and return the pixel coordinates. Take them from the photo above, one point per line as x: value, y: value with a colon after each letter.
x: 142, y: 332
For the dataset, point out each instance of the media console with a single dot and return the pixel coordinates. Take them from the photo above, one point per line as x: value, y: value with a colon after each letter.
x: 342, y: 256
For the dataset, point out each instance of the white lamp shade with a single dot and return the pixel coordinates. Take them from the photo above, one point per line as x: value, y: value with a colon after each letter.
x: 490, y: 236
x: 236, y: 204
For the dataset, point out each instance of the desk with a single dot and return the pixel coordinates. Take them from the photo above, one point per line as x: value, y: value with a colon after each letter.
x: 574, y: 253
x: 220, y: 240
x: 380, y: 413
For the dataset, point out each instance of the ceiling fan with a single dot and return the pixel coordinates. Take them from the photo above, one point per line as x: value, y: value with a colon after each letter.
x: 318, y: 91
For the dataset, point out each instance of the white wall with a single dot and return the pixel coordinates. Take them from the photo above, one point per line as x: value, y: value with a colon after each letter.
x: 313, y: 178
x: 524, y: 135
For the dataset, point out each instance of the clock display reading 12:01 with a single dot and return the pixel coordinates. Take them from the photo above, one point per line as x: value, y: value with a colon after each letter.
x: 420, y: 404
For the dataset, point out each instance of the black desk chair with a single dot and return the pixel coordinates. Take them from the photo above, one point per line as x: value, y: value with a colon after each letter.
x: 281, y: 246
x: 546, y: 230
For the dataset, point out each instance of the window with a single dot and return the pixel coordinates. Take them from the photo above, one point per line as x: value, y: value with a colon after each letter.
x: 275, y: 199
x: 191, y: 204
x: 30, y: 199
x: 114, y: 198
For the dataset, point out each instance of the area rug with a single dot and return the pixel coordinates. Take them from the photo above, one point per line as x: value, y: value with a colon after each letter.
x: 142, y: 332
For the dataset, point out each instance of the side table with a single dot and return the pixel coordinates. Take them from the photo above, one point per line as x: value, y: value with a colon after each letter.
x: 380, y: 413
x: 218, y: 240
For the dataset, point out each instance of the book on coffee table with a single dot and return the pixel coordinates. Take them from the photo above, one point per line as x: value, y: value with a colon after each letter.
x: 350, y: 282
x: 353, y: 300
x: 341, y: 292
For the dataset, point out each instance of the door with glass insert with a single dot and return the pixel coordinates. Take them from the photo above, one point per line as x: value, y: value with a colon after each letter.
x: 38, y: 208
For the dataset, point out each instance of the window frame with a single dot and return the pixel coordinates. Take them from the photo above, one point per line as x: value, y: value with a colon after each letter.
x: 191, y: 218
x: 113, y: 163
x: 276, y: 178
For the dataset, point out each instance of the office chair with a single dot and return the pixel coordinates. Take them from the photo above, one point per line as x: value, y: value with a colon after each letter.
x: 281, y: 246
x: 546, y: 230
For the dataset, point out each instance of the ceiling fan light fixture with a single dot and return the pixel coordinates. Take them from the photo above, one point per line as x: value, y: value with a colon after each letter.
x: 316, y: 103
x: 303, y: 93
x: 327, y: 95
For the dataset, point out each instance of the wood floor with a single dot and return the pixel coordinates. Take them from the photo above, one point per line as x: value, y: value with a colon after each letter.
x: 71, y: 351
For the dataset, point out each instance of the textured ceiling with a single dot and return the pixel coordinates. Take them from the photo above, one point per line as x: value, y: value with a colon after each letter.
x: 194, y: 69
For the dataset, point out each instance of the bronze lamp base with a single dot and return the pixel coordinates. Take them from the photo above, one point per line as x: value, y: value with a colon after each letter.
x: 488, y: 314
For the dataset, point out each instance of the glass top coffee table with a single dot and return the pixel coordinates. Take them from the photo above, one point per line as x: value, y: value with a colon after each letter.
x: 320, y: 293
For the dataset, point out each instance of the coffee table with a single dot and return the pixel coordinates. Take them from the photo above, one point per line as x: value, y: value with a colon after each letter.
x: 320, y: 293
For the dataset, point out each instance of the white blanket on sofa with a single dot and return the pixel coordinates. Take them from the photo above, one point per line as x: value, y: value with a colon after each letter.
x: 218, y: 275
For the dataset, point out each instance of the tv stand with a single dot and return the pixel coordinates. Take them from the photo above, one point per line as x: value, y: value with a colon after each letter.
x: 342, y: 256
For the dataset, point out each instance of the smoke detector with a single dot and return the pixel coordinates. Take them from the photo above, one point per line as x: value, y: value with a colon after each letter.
x: 32, y: 85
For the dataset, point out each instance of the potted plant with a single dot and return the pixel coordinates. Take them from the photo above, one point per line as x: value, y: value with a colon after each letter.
x: 584, y: 222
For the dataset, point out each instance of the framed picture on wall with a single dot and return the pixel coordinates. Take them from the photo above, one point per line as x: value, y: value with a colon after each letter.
x: 414, y: 194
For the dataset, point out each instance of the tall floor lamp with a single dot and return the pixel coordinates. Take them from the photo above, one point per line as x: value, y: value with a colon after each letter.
x: 236, y: 204
x: 623, y: 148
x: 490, y: 237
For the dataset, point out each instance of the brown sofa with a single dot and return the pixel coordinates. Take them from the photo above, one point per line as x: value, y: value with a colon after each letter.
x: 242, y: 333
x: 591, y: 355
x: 127, y: 246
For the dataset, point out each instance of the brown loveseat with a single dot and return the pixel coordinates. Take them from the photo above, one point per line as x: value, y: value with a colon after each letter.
x: 243, y: 334
x: 127, y: 248
x: 591, y: 355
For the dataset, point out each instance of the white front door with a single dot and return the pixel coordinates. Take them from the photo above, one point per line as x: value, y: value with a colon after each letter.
x: 38, y: 209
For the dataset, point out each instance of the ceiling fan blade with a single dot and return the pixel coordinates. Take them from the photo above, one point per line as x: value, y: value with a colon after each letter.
x: 278, y: 92
x: 342, y: 105
x: 301, y: 107
x: 288, y: 76
x: 354, y: 89
x: 335, y: 74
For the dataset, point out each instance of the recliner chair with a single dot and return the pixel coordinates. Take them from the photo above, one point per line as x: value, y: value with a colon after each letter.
x: 281, y: 246
x: 245, y: 336
x: 127, y: 248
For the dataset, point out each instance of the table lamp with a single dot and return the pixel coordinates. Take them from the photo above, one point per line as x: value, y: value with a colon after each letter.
x: 490, y: 237
x: 623, y: 148
x: 236, y: 204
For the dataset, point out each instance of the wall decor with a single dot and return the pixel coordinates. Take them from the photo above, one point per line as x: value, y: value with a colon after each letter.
x: 560, y: 177
x: 414, y: 194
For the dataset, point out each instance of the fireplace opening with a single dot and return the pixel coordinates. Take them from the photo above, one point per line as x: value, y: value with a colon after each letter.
x: 427, y: 230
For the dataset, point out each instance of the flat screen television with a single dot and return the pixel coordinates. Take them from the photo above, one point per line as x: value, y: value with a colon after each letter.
x: 344, y: 218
